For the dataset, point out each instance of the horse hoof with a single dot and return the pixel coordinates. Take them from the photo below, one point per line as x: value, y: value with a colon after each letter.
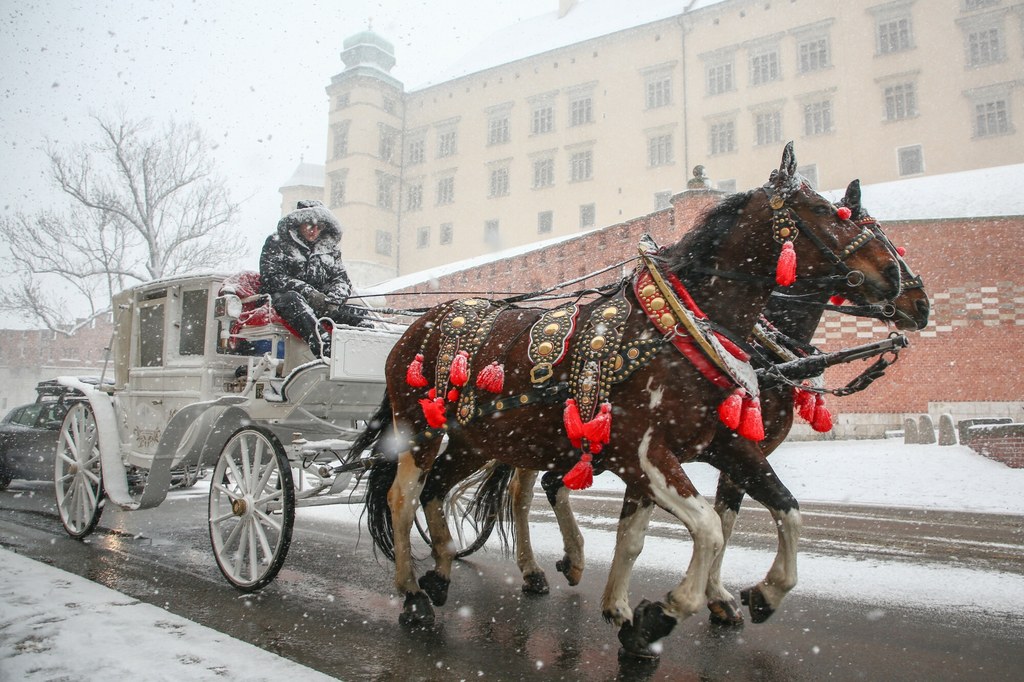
x: 535, y: 583
x: 725, y: 614
x: 760, y: 609
x: 569, y: 570
x: 416, y: 611
x: 436, y: 587
x: 650, y: 623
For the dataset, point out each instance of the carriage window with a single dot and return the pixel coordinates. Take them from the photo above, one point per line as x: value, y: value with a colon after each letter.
x: 192, y: 340
x: 151, y: 335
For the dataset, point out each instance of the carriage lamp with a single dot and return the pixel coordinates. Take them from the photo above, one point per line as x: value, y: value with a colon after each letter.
x: 226, y: 309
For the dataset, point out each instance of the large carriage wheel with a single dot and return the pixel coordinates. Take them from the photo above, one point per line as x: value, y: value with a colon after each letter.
x: 77, y: 474
x: 252, y: 508
x: 468, y: 534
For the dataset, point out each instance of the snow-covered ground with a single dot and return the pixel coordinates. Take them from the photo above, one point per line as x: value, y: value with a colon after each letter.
x: 55, y: 625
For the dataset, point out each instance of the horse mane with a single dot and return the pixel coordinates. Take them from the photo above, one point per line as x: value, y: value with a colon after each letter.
x: 702, y: 242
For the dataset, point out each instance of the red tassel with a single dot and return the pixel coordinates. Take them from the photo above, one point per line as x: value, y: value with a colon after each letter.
x: 844, y: 212
x: 459, y: 374
x: 581, y: 476
x: 433, y: 410
x: 901, y: 250
x: 414, y: 375
x: 822, y: 422
x: 492, y: 378
x: 730, y: 408
x: 573, y: 423
x: 432, y: 393
x: 785, y: 272
x: 453, y: 395
x: 837, y: 300
x: 751, y: 423
x: 802, y: 400
x: 598, y: 431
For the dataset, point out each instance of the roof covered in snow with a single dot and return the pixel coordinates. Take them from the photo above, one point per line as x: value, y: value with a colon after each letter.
x: 306, y: 175
x: 586, y: 19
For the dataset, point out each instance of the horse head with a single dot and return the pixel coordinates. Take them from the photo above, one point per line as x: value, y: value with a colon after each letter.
x: 815, y: 236
x: 910, y: 309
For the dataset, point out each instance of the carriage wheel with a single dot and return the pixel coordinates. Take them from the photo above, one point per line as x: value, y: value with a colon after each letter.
x: 77, y: 474
x: 252, y: 508
x: 467, y: 533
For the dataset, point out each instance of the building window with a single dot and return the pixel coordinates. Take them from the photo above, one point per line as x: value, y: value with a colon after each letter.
x: 764, y: 67
x: 497, y: 130
x: 342, y: 101
x: 991, y: 118
x: 386, y: 143
x: 581, y: 110
x: 447, y: 143
x: 423, y: 237
x: 659, y: 91
x: 337, y: 189
x: 900, y: 101
x: 545, y: 222
x: 893, y: 35
x: 720, y: 79
x: 415, y: 151
x: 813, y: 55
x: 983, y: 47
x: 447, y: 232
x: 582, y: 166
x: 383, y: 245
x: 659, y: 150
x: 768, y: 127
x: 386, y: 190
x: 543, y: 173
x: 911, y: 160
x: 723, y: 137
x: 446, y: 190
x: 499, y: 182
x: 492, y: 236
x: 340, y: 133
x: 809, y: 173
x: 588, y: 216
x: 389, y: 105
x: 818, y: 118
x: 543, y: 120
x: 662, y: 200
x: 414, y: 197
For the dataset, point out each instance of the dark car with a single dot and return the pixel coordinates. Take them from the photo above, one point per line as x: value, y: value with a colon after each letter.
x: 28, y: 434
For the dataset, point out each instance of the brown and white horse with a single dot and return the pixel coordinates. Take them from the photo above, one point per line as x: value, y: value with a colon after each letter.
x: 665, y: 413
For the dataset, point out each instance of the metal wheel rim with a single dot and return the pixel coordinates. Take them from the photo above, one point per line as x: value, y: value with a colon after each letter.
x: 251, y: 509
x: 77, y: 471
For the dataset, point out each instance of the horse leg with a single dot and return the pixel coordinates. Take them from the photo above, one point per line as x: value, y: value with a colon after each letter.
x: 571, y: 564
x: 672, y: 490
x: 724, y: 608
x: 403, y: 498
x: 747, y: 466
x: 629, y: 542
x: 521, y: 489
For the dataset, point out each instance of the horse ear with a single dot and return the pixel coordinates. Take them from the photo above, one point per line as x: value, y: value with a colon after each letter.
x: 788, y: 168
x: 852, y: 198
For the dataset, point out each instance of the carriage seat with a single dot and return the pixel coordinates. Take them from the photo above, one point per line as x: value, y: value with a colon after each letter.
x: 247, y: 315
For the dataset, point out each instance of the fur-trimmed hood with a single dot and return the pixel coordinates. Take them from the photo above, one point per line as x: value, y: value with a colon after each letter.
x: 313, y: 212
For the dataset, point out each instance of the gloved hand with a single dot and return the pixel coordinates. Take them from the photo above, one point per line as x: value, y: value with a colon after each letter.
x: 317, y: 301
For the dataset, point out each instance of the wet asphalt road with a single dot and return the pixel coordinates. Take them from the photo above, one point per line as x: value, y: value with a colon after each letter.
x: 331, y: 607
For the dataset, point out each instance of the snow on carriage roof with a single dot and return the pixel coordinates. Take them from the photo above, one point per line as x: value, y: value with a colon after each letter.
x: 981, y: 193
x: 587, y: 19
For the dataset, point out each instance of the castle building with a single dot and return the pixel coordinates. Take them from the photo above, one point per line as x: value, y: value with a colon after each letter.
x: 594, y: 113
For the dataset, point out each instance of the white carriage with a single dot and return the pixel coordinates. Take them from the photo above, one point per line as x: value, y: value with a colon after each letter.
x: 206, y: 377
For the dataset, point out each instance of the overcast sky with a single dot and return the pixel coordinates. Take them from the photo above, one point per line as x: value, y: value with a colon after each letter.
x: 252, y: 74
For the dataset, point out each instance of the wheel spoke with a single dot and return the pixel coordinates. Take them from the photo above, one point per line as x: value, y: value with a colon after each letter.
x: 269, y: 520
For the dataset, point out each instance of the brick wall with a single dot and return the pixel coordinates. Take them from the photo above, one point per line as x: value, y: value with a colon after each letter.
x: 973, y: 272
x: 1001, y: 442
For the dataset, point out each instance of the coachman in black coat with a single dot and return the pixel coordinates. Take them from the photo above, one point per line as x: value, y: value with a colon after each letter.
x: 301, y: 270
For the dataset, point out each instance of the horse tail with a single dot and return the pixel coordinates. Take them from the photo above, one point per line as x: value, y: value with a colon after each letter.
x: 491, y: 504
x: 383, y: 467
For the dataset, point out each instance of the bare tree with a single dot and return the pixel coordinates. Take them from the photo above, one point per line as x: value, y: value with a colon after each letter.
x: 142, y: 205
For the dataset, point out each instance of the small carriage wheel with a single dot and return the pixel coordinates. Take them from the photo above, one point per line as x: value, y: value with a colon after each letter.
x: 77, y: 473
x: 468, y: 534
x: 252, y: 508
